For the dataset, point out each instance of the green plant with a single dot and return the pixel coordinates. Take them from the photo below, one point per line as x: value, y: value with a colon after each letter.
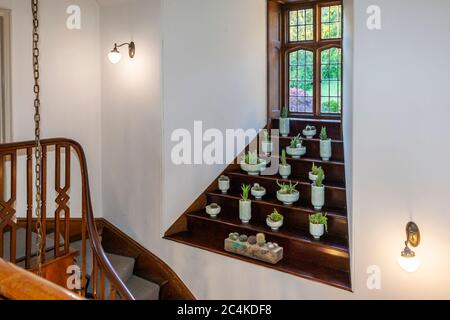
x: 283, y: 158
x: 295, y: 142
x: 319, y: 181
x: 251, y: 157
x: 287, y: 188
x: 310, y: 128
x: 266, y: 137
x: 285, y: 113
x: 323, y: 134
x: 317, y: 170
x: 275, y: 216
x: 245, y: 191
x: 319, y: 218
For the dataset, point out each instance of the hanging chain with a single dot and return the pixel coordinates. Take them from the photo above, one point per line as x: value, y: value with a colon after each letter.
x: 37, y: 131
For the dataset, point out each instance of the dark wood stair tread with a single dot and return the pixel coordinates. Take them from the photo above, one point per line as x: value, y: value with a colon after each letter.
x: 286, y: 232
x: 272, y: 202
x: 312, y: 160
x: 330, y: 185
x: 290, y: 137
x: 335, y: 278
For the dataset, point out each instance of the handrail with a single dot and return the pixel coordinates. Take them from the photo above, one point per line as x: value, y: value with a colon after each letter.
x: 88, y: 216
x: 19, y: 284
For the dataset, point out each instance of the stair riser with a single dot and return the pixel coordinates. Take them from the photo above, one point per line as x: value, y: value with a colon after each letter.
x: 313, y: 148
x: 334, y: 173
x: 334, y: 197
x: 297, y: 126
x: 303, y: 251
x: 295, y: 219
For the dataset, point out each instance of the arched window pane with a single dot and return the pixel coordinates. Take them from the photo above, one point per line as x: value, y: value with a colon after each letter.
x: 331, y: 81
x: 301, y: 81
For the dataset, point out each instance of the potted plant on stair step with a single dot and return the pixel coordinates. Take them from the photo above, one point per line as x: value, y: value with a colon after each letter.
x: 252, y: 164
x: 318, y: 192
x: 296, y: 148
x: 318, y: 225
x: 325, y: 145
x: 285, y: 122
x: 267, y: 144
x: 287, y: 193
x: 309, y: 132
x: 284, y: 168
x: 224, y: 184
x: 275, y: 220
x: 258, y: 191
x: 245, y: 205
x: 315, y: 170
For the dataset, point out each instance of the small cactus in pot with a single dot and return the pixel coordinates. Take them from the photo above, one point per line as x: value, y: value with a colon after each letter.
x: 245, y: 205
x: 318, y: 225
x: 296, y: 148
x: 258, y: 191
x: 287, y: 193
x: 310, y: 132
x: 325, y: 145
x: 275, y: 220
x: 284, y: 168
x: 285, y: 122
x: 315, y: 171
x: 318, y: 192
x: 267, y: 144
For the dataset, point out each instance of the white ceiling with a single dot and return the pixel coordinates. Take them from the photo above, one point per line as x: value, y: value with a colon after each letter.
x: 106, y: 3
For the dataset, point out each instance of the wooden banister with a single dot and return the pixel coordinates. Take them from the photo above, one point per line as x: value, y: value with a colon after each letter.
x: 89, y: 230
x: 19, y: 284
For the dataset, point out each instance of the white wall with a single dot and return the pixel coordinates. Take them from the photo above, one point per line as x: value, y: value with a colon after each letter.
x: 70, y: 82
x: 131, y: 118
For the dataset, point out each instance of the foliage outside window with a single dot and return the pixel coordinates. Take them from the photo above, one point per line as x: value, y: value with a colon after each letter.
x: 314, y: 59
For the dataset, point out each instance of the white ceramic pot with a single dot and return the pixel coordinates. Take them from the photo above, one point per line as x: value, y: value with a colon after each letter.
x: 309, y: 134
x: 285, y: 171
x: 254, y: 169
x: 224, y: 184
x: 317, y: 197
x: 245, y: 211
x: 313, y: 177
x: 288, y: 199
x: 317, y: 230
x: 213, y: 210
x: 285, y: 126
x: 325, y: 149
x: 267, y: 147
x: 275, y: 226
x: 258, y: 194
x: 296, y: 152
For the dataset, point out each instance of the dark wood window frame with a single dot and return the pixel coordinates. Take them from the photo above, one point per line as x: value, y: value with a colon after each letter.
x: 316, y: 46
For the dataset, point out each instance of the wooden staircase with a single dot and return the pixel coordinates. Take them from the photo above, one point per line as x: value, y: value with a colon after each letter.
x: 326, y: 261
x: 125, y: 270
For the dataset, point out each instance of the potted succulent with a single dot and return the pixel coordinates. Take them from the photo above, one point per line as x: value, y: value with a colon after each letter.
x: 285, y: 122
x: 318, y: 225
x: 213, y: 210
x: 325, y: 145
x: 245, y: 205
x: 267, y: 144
x: 224, y: 184
x: 296, y: 148
x: 309, y: 132
x: 318, y: 192
x: 275, y: 220
x: 315, y: 172
x: 252, y: 164
x: 287, y: 193
x: 258, y: 191
x: 284, y: 168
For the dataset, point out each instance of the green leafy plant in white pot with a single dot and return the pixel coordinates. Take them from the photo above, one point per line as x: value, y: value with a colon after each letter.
x: 325, y: 145
x: 252, y: 164
x: 284, y: 168
x: 275, y: 220
x: 318, y: 192
x: 296, y: 148
x: 287, y: 193
x: 285, y: 122
x: 318, y: 225
x: 267, y: 144
x: 245, y: 205
x: 315, y: 170
x: 258, y: 191
x: 309, y: 132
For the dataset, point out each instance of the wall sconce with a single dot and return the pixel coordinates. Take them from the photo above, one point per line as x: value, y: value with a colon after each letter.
x: 408, y: 260
x: 115, y: 56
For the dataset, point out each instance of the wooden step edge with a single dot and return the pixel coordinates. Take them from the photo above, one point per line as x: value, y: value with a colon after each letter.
x: 275, y: 178
x: 313, y: 160
x: 334, y: 282
x: 319, y: 120
x: 339, y: 249
x: 331, y: 212
x: 289, y: 138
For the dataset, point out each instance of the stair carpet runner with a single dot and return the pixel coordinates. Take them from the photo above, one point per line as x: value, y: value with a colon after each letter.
x: 141, y: 289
